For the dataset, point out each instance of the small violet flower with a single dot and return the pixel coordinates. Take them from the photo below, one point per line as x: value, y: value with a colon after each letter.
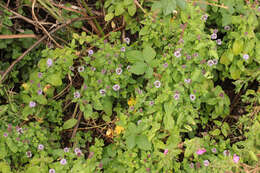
x: 165, y: 151
x: 90, y: 52
x: 123, y: 49
x: 157, y: 84
x: 210, y: 63
x: 206, y: 163
x: 165, y: 65
x: 66, y: 149
x: 49, y: 62
x: 214, y: 36
x: 214, y: 150
x: 192, y: 97
x: 246, y: 57
x: 226, y: 153
x: 151, y: 103
x: 52, y: 171
x: 81, y: 69
x: 176, y: 96
x: 215, y: 61
x: 76, y: 95
x: 40, y: 147
x: 119, y: 71
x: 32, y: 104
x: 116, y: 87
x: 39, y: 91
x: 29, y: 154
x: 102, y: 92
x: 5, y: 134
x: 235, y: 158
x: 191, y: 165
x: 218, y: 41
x: 227, y: 28
x: 187, y: 81
x: 39, y: 75
x: 201, y: 151
x: 127, y: 40
x: 177, y: 54
x: 204, y: 17
x: 63, y: 161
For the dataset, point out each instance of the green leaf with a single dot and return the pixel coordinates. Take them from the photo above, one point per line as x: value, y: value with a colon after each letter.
x: 149, y: 73
x: 109, y: 16
x: 3, y: 109
x: 130, y: 141
x: 88, y: 111
x: 107, y: 105
x: 143, y: 143
x: 11, y: 145
x: 69, y: 123
x: 238, y: 47
x: 148, y: 54
x: 215, y: 132
x: 181, y: 4
x: 54, y: 79
x: 195, y: 75
x: 226, y: 58
x: 131, y: 9
x: 33, y: 169
x: 138, y: 68
x: 235, y: 72
x: 168, y: 6
x: 134, y: 56
x: 168, y: 121
x: 119, y: 9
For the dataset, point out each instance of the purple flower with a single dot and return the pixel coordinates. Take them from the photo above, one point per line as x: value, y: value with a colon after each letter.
x: 116, y: 87
x: 128, y: 67
x: 226, y: 153
x: 90, y: 52
x: 214, y: 36
x: 206, y: 163
x: 19, y: 130
x: 214, y: 150
x: 52, y: 171
x: 165, y: 65
x: 215, y: 61
x: 188, y: 57
x: 196, y: 54
x: 77, y: 151
x: 76, y: 95
x: 127, y: 40
x: 49, y: 62
x: 40, y: 147
x: 102, y: 92
x: 191, y: 165
x: 81, y: 69
x: 66, y: 149
x: 85, y: 87
x: 201, y: 151
x: 235, y: 158
x: 71, y: 68
x: 39, y: 75
x: 63, y: 161
x: 215, y: 31
x: 177, y: 53
x: 192, y: 97
x: 218, y: 41
x: 221, y: 94
x: 29, y: 154
x: 210, y: 63
x: 157, y: 84
x: 176, y: 96
x: 5, y: 134
x: 39, y: 91
x: 123, y: 49
x: 204, y: 17
x: 165, y: 151
x: 32, y: 104
x: 93, y: 68
x: 151, y: 103
x: 227, y: 28
x: 103, y: 71
x: 187, y: 81
x: 119, y: 71
x: 246, y: 57
x: 138, y: 122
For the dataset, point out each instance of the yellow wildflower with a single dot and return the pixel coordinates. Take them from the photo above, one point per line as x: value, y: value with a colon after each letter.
x: 25, y: 86
x: 118, y: 129
x: 131, y: 101
x: 109, y: 133
x: 46, y: 88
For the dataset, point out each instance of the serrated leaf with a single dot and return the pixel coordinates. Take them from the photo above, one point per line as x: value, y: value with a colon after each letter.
x: 54, y: 79
x: 119, y: 9
x: 5, y: 168
x: 109, y: 16
x: 11, y: 145
x: 148, y: 54
x: 149, y: 73
x: 130, y: 141
x: 107, y: 105
x: 143, y: 143
x: 168, y: 6
x: 181, y: 4
x: 69, y: 123
x: 134, y: 56
x: 138, y: 68
x: 168, y: 121
x: 3, y: 109
x: 88, y: 111
x: 226, y: 58
x: 235, y: 72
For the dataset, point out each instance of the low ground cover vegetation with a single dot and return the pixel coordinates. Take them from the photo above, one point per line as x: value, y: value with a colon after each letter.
x: 129, y: 86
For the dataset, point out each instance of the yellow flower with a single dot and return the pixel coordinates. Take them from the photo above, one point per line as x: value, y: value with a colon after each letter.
x: 25, y: 86
x: 109, y: 133
x: 46, y: 88
x: 131, y: 101
x: 118, y: 129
